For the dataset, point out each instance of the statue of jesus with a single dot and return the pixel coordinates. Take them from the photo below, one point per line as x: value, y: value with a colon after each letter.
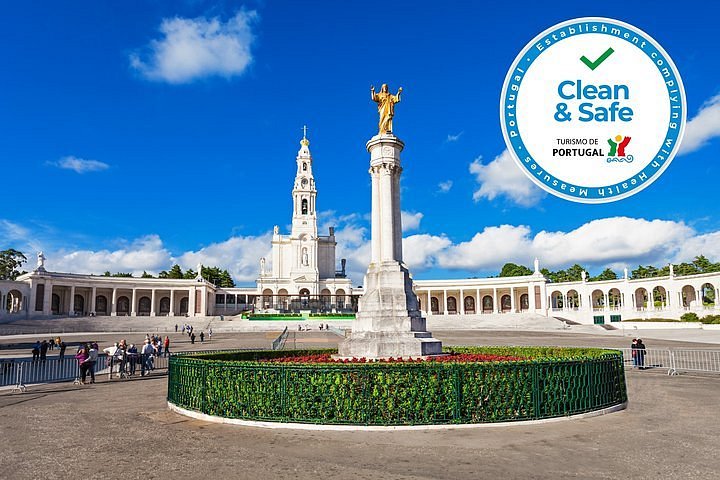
x: 386, y: 107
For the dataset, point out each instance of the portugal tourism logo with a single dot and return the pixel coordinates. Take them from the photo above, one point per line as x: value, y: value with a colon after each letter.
x: 576, y: 97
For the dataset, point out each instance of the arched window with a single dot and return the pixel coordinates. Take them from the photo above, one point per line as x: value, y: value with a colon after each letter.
x: 487, y: 304
x: 164, y: 305
x: 55, y: 304
x: 144, y: 306
x: 123, y: 305
x: 452, y: 305
x: 469, y: 305
x: 304, y: 167
x: 304, y: 206
x: 434, y: 305
x: 505, y: 303
x: 101, y: 304
x: 524, y: 302
x: 79, y: 304
x: 183, y: 305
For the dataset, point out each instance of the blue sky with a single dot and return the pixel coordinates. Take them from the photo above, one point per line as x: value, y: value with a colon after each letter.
x: 138, y: 134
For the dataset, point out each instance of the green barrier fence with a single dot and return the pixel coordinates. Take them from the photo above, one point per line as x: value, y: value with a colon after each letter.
x: 397, y: 393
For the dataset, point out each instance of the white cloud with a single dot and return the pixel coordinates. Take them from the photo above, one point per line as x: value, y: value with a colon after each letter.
x: 487, y: 248
x: 410, y: 221
x: 454, y: 138
x: 702, y: 127
x: 444, y: 187
x: 144, y: 254
x: 420, y: 251
x: 12, y: 231
x: 612, y: 240
x: 80, y: 165
x: 194, y: 48
x: 239, y: 255
x: 502, y: 177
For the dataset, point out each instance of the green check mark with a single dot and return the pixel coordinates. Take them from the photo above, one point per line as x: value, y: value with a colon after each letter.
x: 596, y: 63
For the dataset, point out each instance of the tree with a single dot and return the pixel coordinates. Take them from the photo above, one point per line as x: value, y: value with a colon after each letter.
x: 177, y: 273
x: 10, y: 262
x: 145, y: 275
x: 189, y: 274
x: 122, y: 275
x: 514, y: 270
x: 606, y: 274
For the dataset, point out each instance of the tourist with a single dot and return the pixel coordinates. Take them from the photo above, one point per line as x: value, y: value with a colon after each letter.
x: 176, y: 328
x: 132, y: 356
x: 321, y: 327
x: 43, y: 350
x: 82, y: 358
x: 51, y: 344
x: 210, y: 334
x: 62, y: 348
x: 202, y: 337
x: 147, y: 358
x: 36, y: 351
x: 167, y: 345
x: 111, y: 352
x: 92, y: 360
x: 633, y: 352
x: 192, y: 338
x: 183, y: 329
x: 641, y: 354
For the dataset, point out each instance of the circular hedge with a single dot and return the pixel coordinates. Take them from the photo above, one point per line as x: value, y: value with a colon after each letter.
x: 547, y: 382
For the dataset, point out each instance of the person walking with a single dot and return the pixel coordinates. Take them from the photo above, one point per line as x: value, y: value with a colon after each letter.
x: 43, y: 350
x: 192, y: 338
x: 167, y: 346
x: 202, y: 337
x: 634, y: 352
x: 62, y: 349
x: 176, y: 328
x: 210, y: 334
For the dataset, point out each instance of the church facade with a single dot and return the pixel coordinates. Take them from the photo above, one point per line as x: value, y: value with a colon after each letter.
x: 303, y: 275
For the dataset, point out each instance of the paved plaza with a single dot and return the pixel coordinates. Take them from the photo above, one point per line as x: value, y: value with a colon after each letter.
x: 123, y: 429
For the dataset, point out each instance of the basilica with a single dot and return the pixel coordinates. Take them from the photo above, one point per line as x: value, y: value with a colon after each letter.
x: 303, y: 275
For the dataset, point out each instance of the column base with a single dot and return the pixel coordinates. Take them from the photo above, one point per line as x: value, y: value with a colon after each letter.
x: 388, y: 322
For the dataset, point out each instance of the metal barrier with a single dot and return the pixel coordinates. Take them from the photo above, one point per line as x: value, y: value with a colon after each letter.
x: 673, y: 360
x: 21, y: 372
x: 279, y: 342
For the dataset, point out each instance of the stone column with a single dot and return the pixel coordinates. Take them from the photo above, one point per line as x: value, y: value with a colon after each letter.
x: 152, y: 302
x: 512, y: 299
x: 191, y: 302
x: 388, y: 322
x: 113, y: 305
x: 445, y: 303
x: 531, y: 297
x: 92, y: 300
x: 133, y: 306
x: 47, y: 301
x: 71, y: 308
x: 172, y: 303
x: 462, y: 302
x: 375, y: 218
x: 496, y: 305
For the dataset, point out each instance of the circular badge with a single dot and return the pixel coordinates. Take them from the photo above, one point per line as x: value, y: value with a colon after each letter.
x: 593, y: 110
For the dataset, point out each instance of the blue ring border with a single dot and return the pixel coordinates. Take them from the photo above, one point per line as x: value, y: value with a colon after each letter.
x: 593, y: 195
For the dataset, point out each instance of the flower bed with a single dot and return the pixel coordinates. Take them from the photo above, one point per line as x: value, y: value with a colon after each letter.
x: 485, y: 386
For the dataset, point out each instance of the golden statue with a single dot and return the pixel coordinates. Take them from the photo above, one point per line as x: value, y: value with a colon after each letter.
x: 386, y: 107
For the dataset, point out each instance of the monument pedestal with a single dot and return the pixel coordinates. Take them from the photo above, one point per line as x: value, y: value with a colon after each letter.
x: 388, y: 322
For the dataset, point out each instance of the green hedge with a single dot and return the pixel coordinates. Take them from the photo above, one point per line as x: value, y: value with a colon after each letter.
x: 555, y: 382
x: 332, y: 316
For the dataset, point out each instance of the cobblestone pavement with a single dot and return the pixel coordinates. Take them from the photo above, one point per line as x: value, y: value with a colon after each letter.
x: 123, y: 429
